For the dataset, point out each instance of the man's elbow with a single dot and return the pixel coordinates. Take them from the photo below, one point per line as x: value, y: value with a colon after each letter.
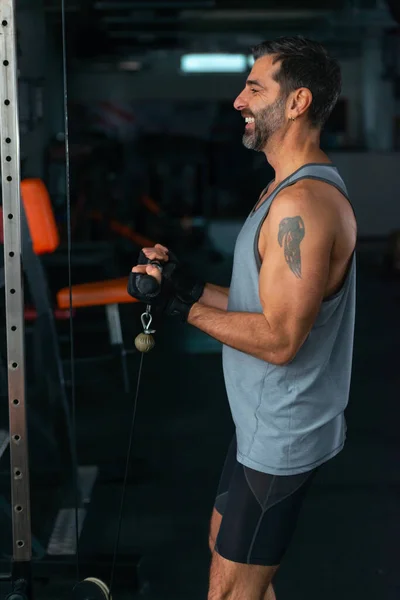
x: 286, y: 358
x: 285, y: 353
x: 281, y: 358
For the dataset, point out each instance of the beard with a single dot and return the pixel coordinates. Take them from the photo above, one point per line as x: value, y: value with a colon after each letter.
x: 267, y: 122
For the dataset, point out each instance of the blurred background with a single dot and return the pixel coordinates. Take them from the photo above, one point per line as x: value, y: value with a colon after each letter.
x: 156, y: 155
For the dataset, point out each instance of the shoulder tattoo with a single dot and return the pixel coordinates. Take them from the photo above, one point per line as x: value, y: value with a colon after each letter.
x: 291, y: 233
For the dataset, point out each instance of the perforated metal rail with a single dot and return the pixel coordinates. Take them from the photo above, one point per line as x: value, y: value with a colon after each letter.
x: 14, y: 293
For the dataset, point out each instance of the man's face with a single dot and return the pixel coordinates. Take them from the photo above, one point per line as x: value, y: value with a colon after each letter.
x: 261, y: 104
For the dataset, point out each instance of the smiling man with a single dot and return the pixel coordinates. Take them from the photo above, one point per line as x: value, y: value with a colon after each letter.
x: 286, y: 322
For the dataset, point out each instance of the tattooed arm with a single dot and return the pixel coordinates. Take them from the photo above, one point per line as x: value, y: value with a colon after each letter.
x: 298, y: 238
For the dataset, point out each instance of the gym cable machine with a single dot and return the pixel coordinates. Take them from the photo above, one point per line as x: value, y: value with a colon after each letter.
x: 21, y: 568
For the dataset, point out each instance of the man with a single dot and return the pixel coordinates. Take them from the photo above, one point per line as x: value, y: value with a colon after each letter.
x: 286, y: 322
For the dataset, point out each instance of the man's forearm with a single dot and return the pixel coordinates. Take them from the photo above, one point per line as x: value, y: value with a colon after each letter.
x: 247, y: 332
x: 215, y: 296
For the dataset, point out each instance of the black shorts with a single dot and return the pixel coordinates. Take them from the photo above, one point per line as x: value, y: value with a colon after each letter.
x: 260, y: 512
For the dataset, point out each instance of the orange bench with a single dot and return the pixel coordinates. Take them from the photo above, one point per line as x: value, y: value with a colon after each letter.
x: 98, y: 293
x: 45, y: 239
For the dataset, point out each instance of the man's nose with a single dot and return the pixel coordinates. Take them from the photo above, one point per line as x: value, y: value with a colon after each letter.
x: 239, y: 103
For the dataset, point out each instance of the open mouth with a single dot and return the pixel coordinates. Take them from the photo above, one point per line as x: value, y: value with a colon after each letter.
x: 249, y: 122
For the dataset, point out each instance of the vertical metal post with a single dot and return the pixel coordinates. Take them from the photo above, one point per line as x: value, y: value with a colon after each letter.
x: 10, y: 178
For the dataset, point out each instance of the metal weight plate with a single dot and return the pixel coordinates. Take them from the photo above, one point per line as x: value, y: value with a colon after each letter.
x: 91, y: 589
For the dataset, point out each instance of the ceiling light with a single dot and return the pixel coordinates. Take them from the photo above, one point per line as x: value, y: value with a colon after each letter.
x: 214, y: 63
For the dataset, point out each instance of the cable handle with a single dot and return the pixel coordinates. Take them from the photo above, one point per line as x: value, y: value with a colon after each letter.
x: 148, y: 285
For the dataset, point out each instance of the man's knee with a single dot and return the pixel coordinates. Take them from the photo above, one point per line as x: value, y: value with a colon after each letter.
x: 231, y: 580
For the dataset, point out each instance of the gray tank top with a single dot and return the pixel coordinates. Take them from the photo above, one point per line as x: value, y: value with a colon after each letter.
x: 289, y: 419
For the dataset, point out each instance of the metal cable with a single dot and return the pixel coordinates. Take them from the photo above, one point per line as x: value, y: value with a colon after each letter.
x: 73, y: 393
x: 128, y: 456
x: 71, y: 327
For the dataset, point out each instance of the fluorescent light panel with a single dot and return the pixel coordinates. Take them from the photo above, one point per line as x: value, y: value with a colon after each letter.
x: 214, y: 63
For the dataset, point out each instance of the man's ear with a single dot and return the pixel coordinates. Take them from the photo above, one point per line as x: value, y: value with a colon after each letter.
x: 300, y: 102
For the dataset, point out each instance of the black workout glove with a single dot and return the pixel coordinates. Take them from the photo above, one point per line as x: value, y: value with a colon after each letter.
x: 176, y: 294
x: 187, y: 288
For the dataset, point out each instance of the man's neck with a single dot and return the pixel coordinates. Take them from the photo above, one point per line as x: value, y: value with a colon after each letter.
x: 293, y: 150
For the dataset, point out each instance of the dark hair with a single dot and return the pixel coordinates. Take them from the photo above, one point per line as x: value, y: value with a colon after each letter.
x: 305, y: 63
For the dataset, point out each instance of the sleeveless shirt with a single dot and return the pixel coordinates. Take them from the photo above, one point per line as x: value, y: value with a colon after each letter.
x: 290, y: 418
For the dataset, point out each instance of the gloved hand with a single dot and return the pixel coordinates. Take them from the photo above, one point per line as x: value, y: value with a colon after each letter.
x: 178, y: 290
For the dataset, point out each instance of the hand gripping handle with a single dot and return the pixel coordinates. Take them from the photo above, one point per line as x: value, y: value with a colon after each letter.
x: 148, y: 285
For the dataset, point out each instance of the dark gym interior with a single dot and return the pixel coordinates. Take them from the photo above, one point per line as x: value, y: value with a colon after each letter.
x: 151, y: 152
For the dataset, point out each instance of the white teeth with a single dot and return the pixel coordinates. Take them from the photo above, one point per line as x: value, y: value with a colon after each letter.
x: 249, y: 120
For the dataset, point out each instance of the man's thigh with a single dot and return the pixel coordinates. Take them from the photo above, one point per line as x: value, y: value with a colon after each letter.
x: 258, y: 515
x: 222, y: 492
x: 226, y: 476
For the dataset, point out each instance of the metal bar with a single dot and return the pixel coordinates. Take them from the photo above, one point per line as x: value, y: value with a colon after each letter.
x: 150, y: 4
x: 142, y: 34
x: 188, y: 16
x: 264, y: 16
x: 14, y: 294
x: 222, y: 31
x: 139, y: 19
x: 114, y: 324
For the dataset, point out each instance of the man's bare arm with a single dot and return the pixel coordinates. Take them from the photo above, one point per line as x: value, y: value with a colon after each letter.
x: 215, y: 296
x: 299, y: 233
x: 248, y: 332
